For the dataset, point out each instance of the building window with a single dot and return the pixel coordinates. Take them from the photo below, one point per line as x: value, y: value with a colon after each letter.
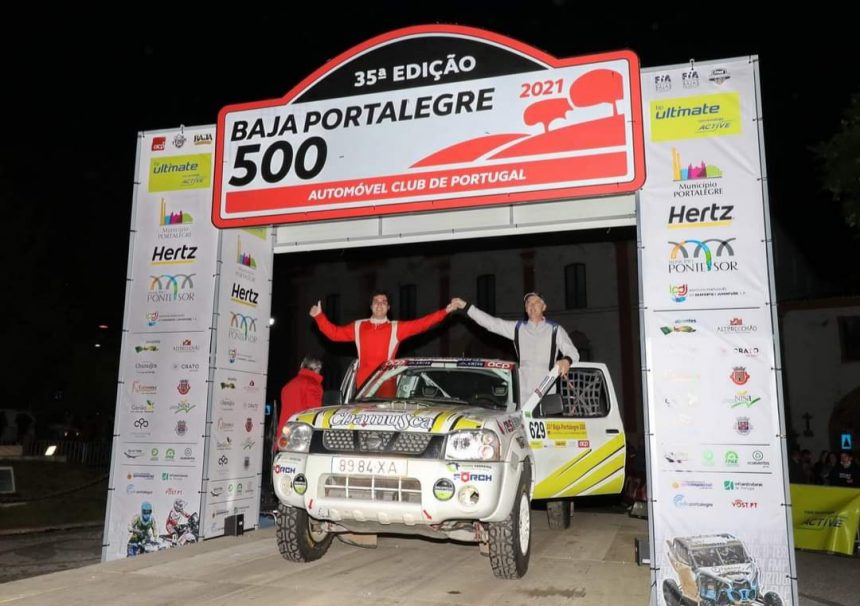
x: 574, y: 286
x: 849, y: 338
x: 486, y: 299
x: 408, y: 302
x: 331, y: 307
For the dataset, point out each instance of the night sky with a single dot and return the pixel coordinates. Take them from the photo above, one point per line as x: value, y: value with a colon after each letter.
x: 74, y: 98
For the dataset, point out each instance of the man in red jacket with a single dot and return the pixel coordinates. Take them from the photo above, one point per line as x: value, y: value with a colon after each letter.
x: 302, y: 392
x: 376, y: 338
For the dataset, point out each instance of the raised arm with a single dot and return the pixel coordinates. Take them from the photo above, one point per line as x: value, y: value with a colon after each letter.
x: 343, y: 333
x: 501, y: 327
x: 410, y: 328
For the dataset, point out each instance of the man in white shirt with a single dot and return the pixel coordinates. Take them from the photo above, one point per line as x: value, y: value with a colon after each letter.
x: 537, y: 341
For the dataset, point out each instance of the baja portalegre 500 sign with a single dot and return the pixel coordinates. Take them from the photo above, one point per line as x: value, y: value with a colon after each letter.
x: 432, y: 117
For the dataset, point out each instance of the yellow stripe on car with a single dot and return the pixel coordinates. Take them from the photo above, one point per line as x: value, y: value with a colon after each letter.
x: 441, y: 419
x: 600, y: 473
x: 326, y: 419
x: 306, y: 417
x: 467, y: 424
x: 570, y: 474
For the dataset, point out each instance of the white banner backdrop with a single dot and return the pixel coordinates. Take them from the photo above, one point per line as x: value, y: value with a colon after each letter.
x: 157, y: 459
x: 236, y: 422
x: 720, y: 527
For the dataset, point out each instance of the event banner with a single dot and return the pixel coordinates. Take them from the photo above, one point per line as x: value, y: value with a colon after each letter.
x: 237, y: 414
x: 157, y: 459
x: 826, y: 518
x: 431, y: 117
x: 720, y: 527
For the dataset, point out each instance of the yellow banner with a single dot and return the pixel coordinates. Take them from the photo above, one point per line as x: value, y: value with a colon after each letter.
x: 180, y: 172
x: 825, y: 518
x: 697, y: 116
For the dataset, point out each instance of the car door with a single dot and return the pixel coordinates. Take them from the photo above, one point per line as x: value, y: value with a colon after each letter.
x: 347, y: 386
x: 581, y: 450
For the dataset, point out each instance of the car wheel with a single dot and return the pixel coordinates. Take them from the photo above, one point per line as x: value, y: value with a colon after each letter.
x: 510, y: 539
x: 671, y: 593
x: 297, y: 539
x: 772, y: 599
x: 558, y: 514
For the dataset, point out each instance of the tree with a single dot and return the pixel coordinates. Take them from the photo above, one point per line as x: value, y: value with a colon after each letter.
x: 840, y: 157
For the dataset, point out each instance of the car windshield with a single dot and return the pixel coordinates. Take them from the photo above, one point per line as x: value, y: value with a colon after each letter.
x: 719, y: 555
x: 485, y: 383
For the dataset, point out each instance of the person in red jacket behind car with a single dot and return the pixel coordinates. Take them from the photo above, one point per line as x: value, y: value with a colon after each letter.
x: 376, y: 338
x: 302, y: 392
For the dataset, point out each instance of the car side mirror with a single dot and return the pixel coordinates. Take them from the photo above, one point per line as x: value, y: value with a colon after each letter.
x: 550, y: 405
x: 331, y: 397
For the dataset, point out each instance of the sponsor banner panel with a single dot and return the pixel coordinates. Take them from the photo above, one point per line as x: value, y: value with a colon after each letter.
x: 825, y: 518
x: 237, y: 412
x: 244, y: 301
x: 717, y: 476
x: 157, y: 461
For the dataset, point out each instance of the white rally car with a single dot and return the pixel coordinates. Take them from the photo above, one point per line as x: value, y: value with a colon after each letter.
x: 442, y: 448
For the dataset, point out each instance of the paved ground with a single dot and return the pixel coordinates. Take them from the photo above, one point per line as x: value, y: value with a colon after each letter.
x: 28, y: 555
x: 593, y: 563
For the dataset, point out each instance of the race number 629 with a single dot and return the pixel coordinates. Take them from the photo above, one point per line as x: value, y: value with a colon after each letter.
x: 537, y: 430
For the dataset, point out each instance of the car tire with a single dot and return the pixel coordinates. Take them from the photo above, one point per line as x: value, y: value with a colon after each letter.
x: 671, y: 593
x: 297, y: 541
x: 510, y: 540
x: 772, y: 599
x: 558, y: 514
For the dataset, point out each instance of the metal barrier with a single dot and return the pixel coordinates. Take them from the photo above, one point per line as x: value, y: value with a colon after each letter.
x: 93, y: 453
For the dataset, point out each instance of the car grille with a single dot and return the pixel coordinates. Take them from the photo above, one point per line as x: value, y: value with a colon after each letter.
x: 371, y: 488
x: 394, y: 442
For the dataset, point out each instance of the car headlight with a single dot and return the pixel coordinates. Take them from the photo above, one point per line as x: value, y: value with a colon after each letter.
x: 473, y: 445
x: 296, y: 437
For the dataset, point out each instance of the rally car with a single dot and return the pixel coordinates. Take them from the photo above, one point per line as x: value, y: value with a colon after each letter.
x: 714, y: 570
x: 443, y: 448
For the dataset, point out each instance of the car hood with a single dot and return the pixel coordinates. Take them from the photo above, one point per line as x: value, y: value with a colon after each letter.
x: 732, y: 572
x: 400, y: 415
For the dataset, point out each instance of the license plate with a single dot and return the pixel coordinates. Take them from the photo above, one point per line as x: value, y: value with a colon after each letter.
x: 368, y: 466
